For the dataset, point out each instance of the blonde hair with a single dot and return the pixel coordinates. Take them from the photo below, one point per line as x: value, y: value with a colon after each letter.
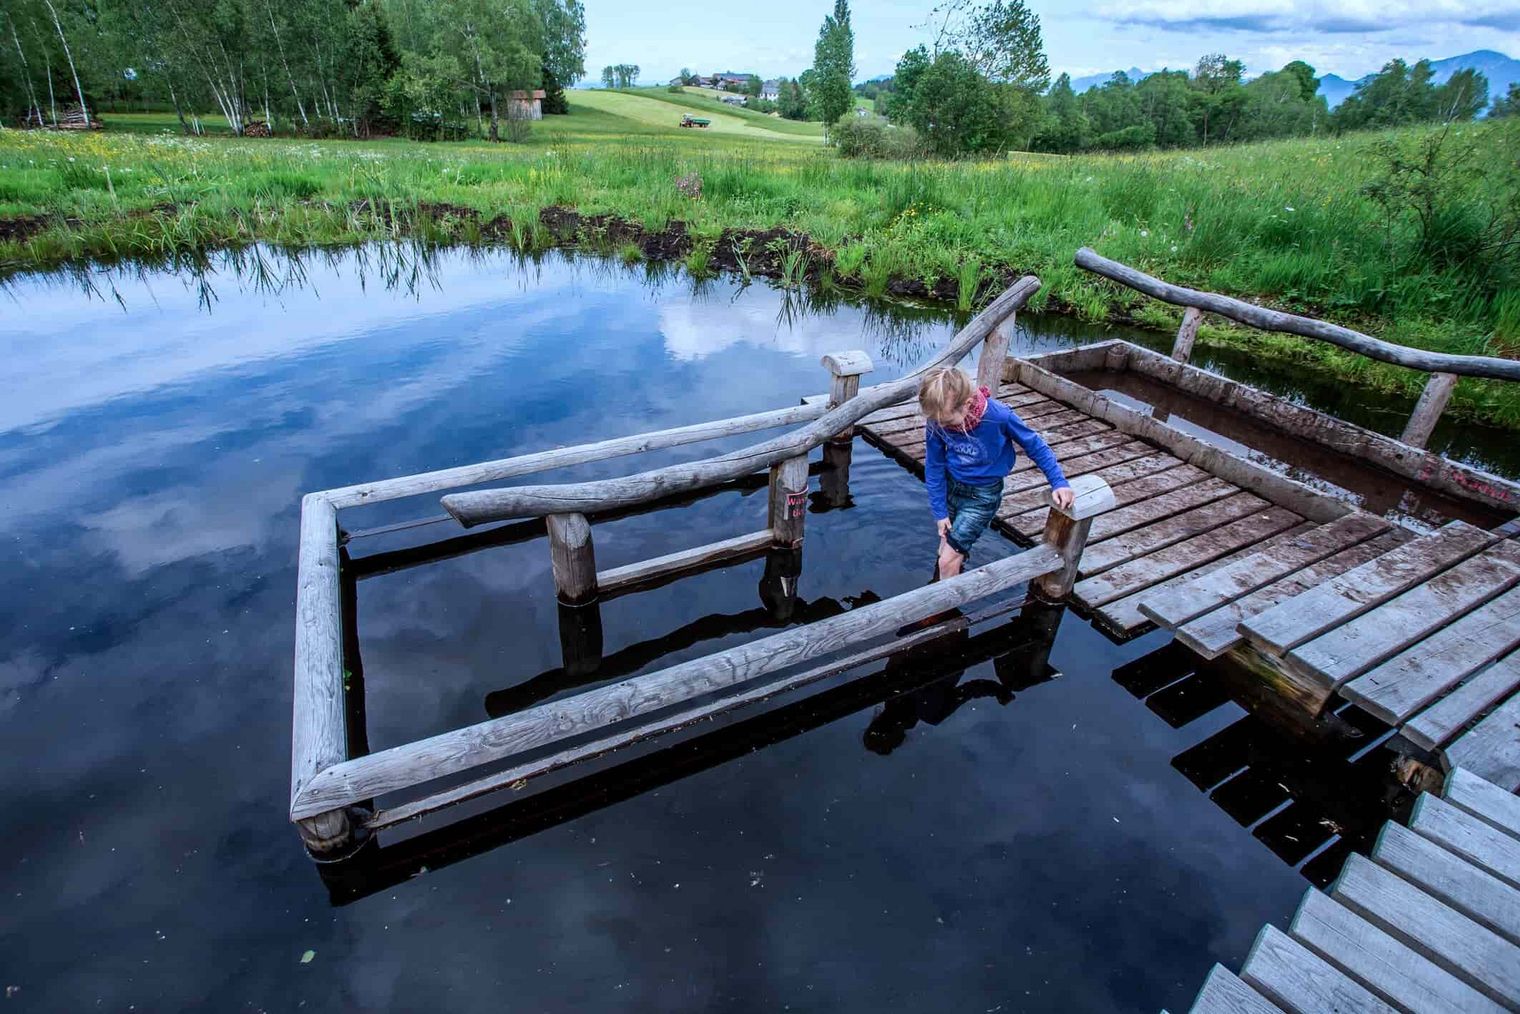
x: 942, y: 391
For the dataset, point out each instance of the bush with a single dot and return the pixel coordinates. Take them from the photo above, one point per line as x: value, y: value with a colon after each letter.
x: 872, y: 137
x: 1142, y: 135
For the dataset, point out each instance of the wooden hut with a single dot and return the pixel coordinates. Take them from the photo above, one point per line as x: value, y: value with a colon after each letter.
x: 526, y: 105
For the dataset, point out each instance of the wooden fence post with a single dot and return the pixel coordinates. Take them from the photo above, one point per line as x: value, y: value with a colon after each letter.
x: 1182, y: 348
x: 846, y: 369
x: 1427, y: 411
x: 989, y: 363
x: 788, y: 500
x: 572, y: 558
x: 1066, y: 533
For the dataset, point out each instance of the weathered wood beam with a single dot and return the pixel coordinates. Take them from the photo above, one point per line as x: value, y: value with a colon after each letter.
x: 1182, y: 348
x: 530, y: 501
x: 1307, y: 327
x: 787, y: 508
x: 563, y: 457
x: 845, y: 369
x: 1427, y: 411
x: 1066, y: 533
x: 619, y: 579
x: 572, y: 558
x: 461, y: 750
x: 318, y: 730
x: 989, y: 362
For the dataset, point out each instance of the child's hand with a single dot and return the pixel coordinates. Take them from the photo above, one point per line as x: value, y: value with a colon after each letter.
x: 1063, y: 498
x: 943, y: 524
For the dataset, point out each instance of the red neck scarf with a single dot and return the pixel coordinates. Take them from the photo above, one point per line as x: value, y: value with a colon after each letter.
x: 974, y: 414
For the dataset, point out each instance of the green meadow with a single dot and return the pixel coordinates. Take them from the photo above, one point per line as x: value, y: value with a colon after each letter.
x: 1284, y: 223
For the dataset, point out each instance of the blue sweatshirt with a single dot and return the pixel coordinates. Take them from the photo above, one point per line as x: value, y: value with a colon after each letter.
x: 984, y: 455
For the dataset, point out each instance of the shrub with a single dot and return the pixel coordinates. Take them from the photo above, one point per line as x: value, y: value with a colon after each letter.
x: 872, y: 137
x: 1142, y: 135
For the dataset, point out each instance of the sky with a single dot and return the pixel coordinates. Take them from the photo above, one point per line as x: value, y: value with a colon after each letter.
x: 775, y: 37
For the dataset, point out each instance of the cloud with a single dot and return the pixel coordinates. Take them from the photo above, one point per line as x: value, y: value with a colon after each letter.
x: 1326, y: 16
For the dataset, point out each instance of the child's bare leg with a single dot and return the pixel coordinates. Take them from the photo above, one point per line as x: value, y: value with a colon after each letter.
x: 949, y: 561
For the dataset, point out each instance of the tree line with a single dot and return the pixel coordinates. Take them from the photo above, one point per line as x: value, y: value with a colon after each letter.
x: 314, y: 67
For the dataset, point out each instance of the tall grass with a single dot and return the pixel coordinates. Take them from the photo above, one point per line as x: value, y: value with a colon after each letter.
x: 1284, y: 223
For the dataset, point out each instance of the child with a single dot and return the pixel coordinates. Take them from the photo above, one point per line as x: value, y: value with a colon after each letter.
x: 969, y: 448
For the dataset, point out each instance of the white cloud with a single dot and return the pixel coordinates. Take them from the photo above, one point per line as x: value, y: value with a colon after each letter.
x: 1328, y: 16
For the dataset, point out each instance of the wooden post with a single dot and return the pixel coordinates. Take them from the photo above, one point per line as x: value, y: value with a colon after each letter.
x: 1066, y: 533
x: 989, y: 365
x: 572, y: 558
x: 1427, y: 411
x: 1182, y: 348
x: 788, y: 500
x: 846, y: 369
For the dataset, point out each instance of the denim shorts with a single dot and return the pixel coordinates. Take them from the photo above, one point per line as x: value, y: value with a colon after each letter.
x: 971, y: 511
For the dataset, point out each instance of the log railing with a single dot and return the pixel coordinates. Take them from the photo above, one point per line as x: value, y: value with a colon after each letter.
x: 329, y: 789
x: 1444, y: 368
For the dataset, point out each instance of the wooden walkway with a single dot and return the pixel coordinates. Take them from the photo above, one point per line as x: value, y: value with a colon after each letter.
x: 1320, y: 598
x: 1431, y: 922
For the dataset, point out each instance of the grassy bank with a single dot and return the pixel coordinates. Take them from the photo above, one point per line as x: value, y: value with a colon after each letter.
x: 1283, y: 223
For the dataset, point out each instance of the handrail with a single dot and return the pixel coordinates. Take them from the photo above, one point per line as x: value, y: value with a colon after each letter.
x: 1492, y: 367
x: 479, y: 507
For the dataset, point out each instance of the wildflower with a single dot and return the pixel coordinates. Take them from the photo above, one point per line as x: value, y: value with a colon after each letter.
x: 1287, y: 207
x: 71, y: 158
x: 1145, y: 232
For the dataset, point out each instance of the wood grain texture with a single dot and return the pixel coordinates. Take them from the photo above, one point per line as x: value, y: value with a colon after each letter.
x: 1216, y: 632
x: 617, y: 579
x: 1390, y: 968
x: 1187, y: 333
x: 1223, y: 993
x: 1389, y: 627
x: 1307, y: 327
x: 563, y: 457
x: 1308, y: 502
x: 319, y: 733
x: 787, y: 508
x: 1296, y: 979
x: 1162, y: 506
x: 1131, y: 482
x: 463, y: 749
x: 1475, y: 840
x: 851, y: 363
x: 1348, y: 595
x: 1492, y: 747
x: 1396, y: 689
x: 1484, y: 800
x: 989, y: 362
x: 1442, y: 874
x: 1468, y: 950
x: 1427, y: 411
x: 1188, y: 601
x: 531, y: 501
x: 572, y: 557
x: 1180, y: 557
x: 1184, y: 525
x: 1433, y: 727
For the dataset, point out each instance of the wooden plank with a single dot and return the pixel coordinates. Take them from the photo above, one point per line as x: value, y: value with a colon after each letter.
x: 1387, y: 629
x: 618, y: 579
x: 481, y: 506
x: 1161, y: 506
x: 1404, y: 684
x: 487, y: 742
x: 1310, y: 503
x: 1297, y: 979
x: 1064, y: 423
x: 1484, y: 800
x: 319, y: 733
x: 1216, y: 632
x: 1191, y: 600
x: 1306, y: 616
x: 1131, y: 577
x: 1391, y: 969
x: 1468, y: 950
x: 1307, y: 327
x: 1159, y: 535
x: 1437, y: 724
x: 1223, y: 993
x: 1032, y: 478
x: 1477, y: 841
x: 1492, y: 749
x: 1443, y: 875
x: 1427, y: 411
x: 1123, y: 614
x: 1131, y: 481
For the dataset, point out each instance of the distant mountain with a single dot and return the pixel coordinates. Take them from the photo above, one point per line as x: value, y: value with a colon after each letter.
x: 1498, y: 68
x: 1081, y: 84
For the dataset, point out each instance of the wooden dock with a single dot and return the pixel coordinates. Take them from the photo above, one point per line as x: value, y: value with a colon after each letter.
x: 1316, y: 597
x: 1431, y: 922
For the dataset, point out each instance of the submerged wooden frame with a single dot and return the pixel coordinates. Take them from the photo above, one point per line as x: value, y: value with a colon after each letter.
x: 332, y: 794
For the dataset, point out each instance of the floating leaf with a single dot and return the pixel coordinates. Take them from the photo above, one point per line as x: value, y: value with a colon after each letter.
x: 306, y: 958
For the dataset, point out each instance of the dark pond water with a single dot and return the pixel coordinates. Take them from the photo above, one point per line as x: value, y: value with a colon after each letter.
x: 962, y: 831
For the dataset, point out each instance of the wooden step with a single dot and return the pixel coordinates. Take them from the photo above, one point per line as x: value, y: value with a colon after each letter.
x: 1342, y: 598
x: 1491, y: 748
x: 1224, y: 993
x: 1296, y: 979
x: 1475, y: 840
x: 1477, y: 894
x: 1484, y: 800
x: 1441, y: 721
